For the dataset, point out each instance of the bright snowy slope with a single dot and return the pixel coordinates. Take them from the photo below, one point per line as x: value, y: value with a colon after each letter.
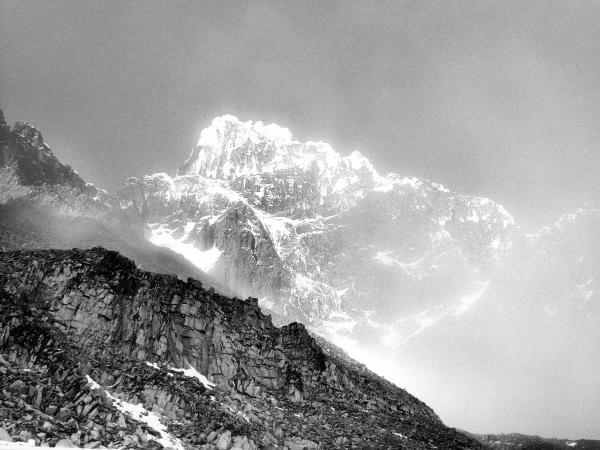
x: 439, y: 291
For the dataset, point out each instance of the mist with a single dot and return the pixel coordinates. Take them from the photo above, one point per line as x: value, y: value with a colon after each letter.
x: 491, y: 99
x: 494, y: 98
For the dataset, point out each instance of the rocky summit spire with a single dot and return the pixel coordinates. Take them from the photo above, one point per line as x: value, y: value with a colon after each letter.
x: 230, y: 148
x: 27, y: 156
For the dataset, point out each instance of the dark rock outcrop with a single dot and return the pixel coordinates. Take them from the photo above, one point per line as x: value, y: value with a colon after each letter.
x: 46, y: 204
x: 34, y: 162
x: 74, y: 318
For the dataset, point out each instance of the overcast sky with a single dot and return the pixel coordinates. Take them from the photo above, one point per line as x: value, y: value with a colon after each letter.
x: 499, y: 99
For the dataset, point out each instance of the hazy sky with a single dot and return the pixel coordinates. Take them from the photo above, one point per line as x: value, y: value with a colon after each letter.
x: 496, y: 98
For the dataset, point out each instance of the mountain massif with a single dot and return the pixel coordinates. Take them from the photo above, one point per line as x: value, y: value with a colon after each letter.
x: 406, y: 275
x: 436, y: 290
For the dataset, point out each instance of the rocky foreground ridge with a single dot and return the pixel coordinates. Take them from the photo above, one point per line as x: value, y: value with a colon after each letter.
x: 98, y: 352
x: 317, y: 236
x: 406, y: 275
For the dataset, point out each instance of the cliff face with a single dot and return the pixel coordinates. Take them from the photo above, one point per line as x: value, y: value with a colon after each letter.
x: 400, y: 271
x: 28, y: 168
x: 46, y: 204
x: 86, y: 332
x: 397, y: 270
x: 314, y: 234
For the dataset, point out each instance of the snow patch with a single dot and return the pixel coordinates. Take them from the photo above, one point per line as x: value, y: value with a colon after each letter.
x: 203, y: 259
x: 469, y: 300
x: 153, y: 365
x: 342, y: 292
x: 412, y: 182
x: 141, y: 414
x: 193, y: 373
x: 266, y: 303
x: 383, y: 257
x: 189, y: 227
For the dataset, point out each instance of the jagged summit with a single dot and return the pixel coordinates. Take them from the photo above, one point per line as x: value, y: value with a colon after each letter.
x: 257, y: 131
x: 266, y: 165
x: 278, y: 218
x: 27, y: 159
x: 395, y: 267
x: 230, y: 148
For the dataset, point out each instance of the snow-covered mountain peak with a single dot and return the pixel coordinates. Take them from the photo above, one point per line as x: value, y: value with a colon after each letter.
x: 293, y: 223
x: 230, y: 148
x: 228, y: 126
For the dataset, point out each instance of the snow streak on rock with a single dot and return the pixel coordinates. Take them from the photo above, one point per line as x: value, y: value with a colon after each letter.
x: 139, y: 413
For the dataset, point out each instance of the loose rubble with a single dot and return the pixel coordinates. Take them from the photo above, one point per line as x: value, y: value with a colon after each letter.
x: 95, y: 352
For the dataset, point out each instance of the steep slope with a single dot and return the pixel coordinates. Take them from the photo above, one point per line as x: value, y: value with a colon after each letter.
x: 46, y: 204
x: 440, y: 292
x: 299, y: 226
x: 95, y: 350
x: 27, y: 161
x: 437, y: 290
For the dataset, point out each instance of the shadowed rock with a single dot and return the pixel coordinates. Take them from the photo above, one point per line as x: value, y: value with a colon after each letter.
x: 71, y: 313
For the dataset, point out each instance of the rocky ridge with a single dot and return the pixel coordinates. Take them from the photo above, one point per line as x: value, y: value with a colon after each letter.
x: 88, y: 339
x: 27, y: 156
x: 46, y: 204
x: 448, y: 271
x: 400, y: 271
x: 292, y: 221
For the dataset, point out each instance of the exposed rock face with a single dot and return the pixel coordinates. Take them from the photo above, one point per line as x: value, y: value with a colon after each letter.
x: 71, y: 314
x: 309, y: 224
x: 35, y: 162
x: 398, y: 270
x: 393, y: 268
x: 46, y: 204
x: 27, y: 165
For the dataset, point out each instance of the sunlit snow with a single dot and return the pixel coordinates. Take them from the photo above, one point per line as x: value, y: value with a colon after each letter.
x: 141, y: 414
x: 193, y: 373
x: 203, y: 259
x: 189, y: 227
x: 469, y: 300
x: 264, y: 302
